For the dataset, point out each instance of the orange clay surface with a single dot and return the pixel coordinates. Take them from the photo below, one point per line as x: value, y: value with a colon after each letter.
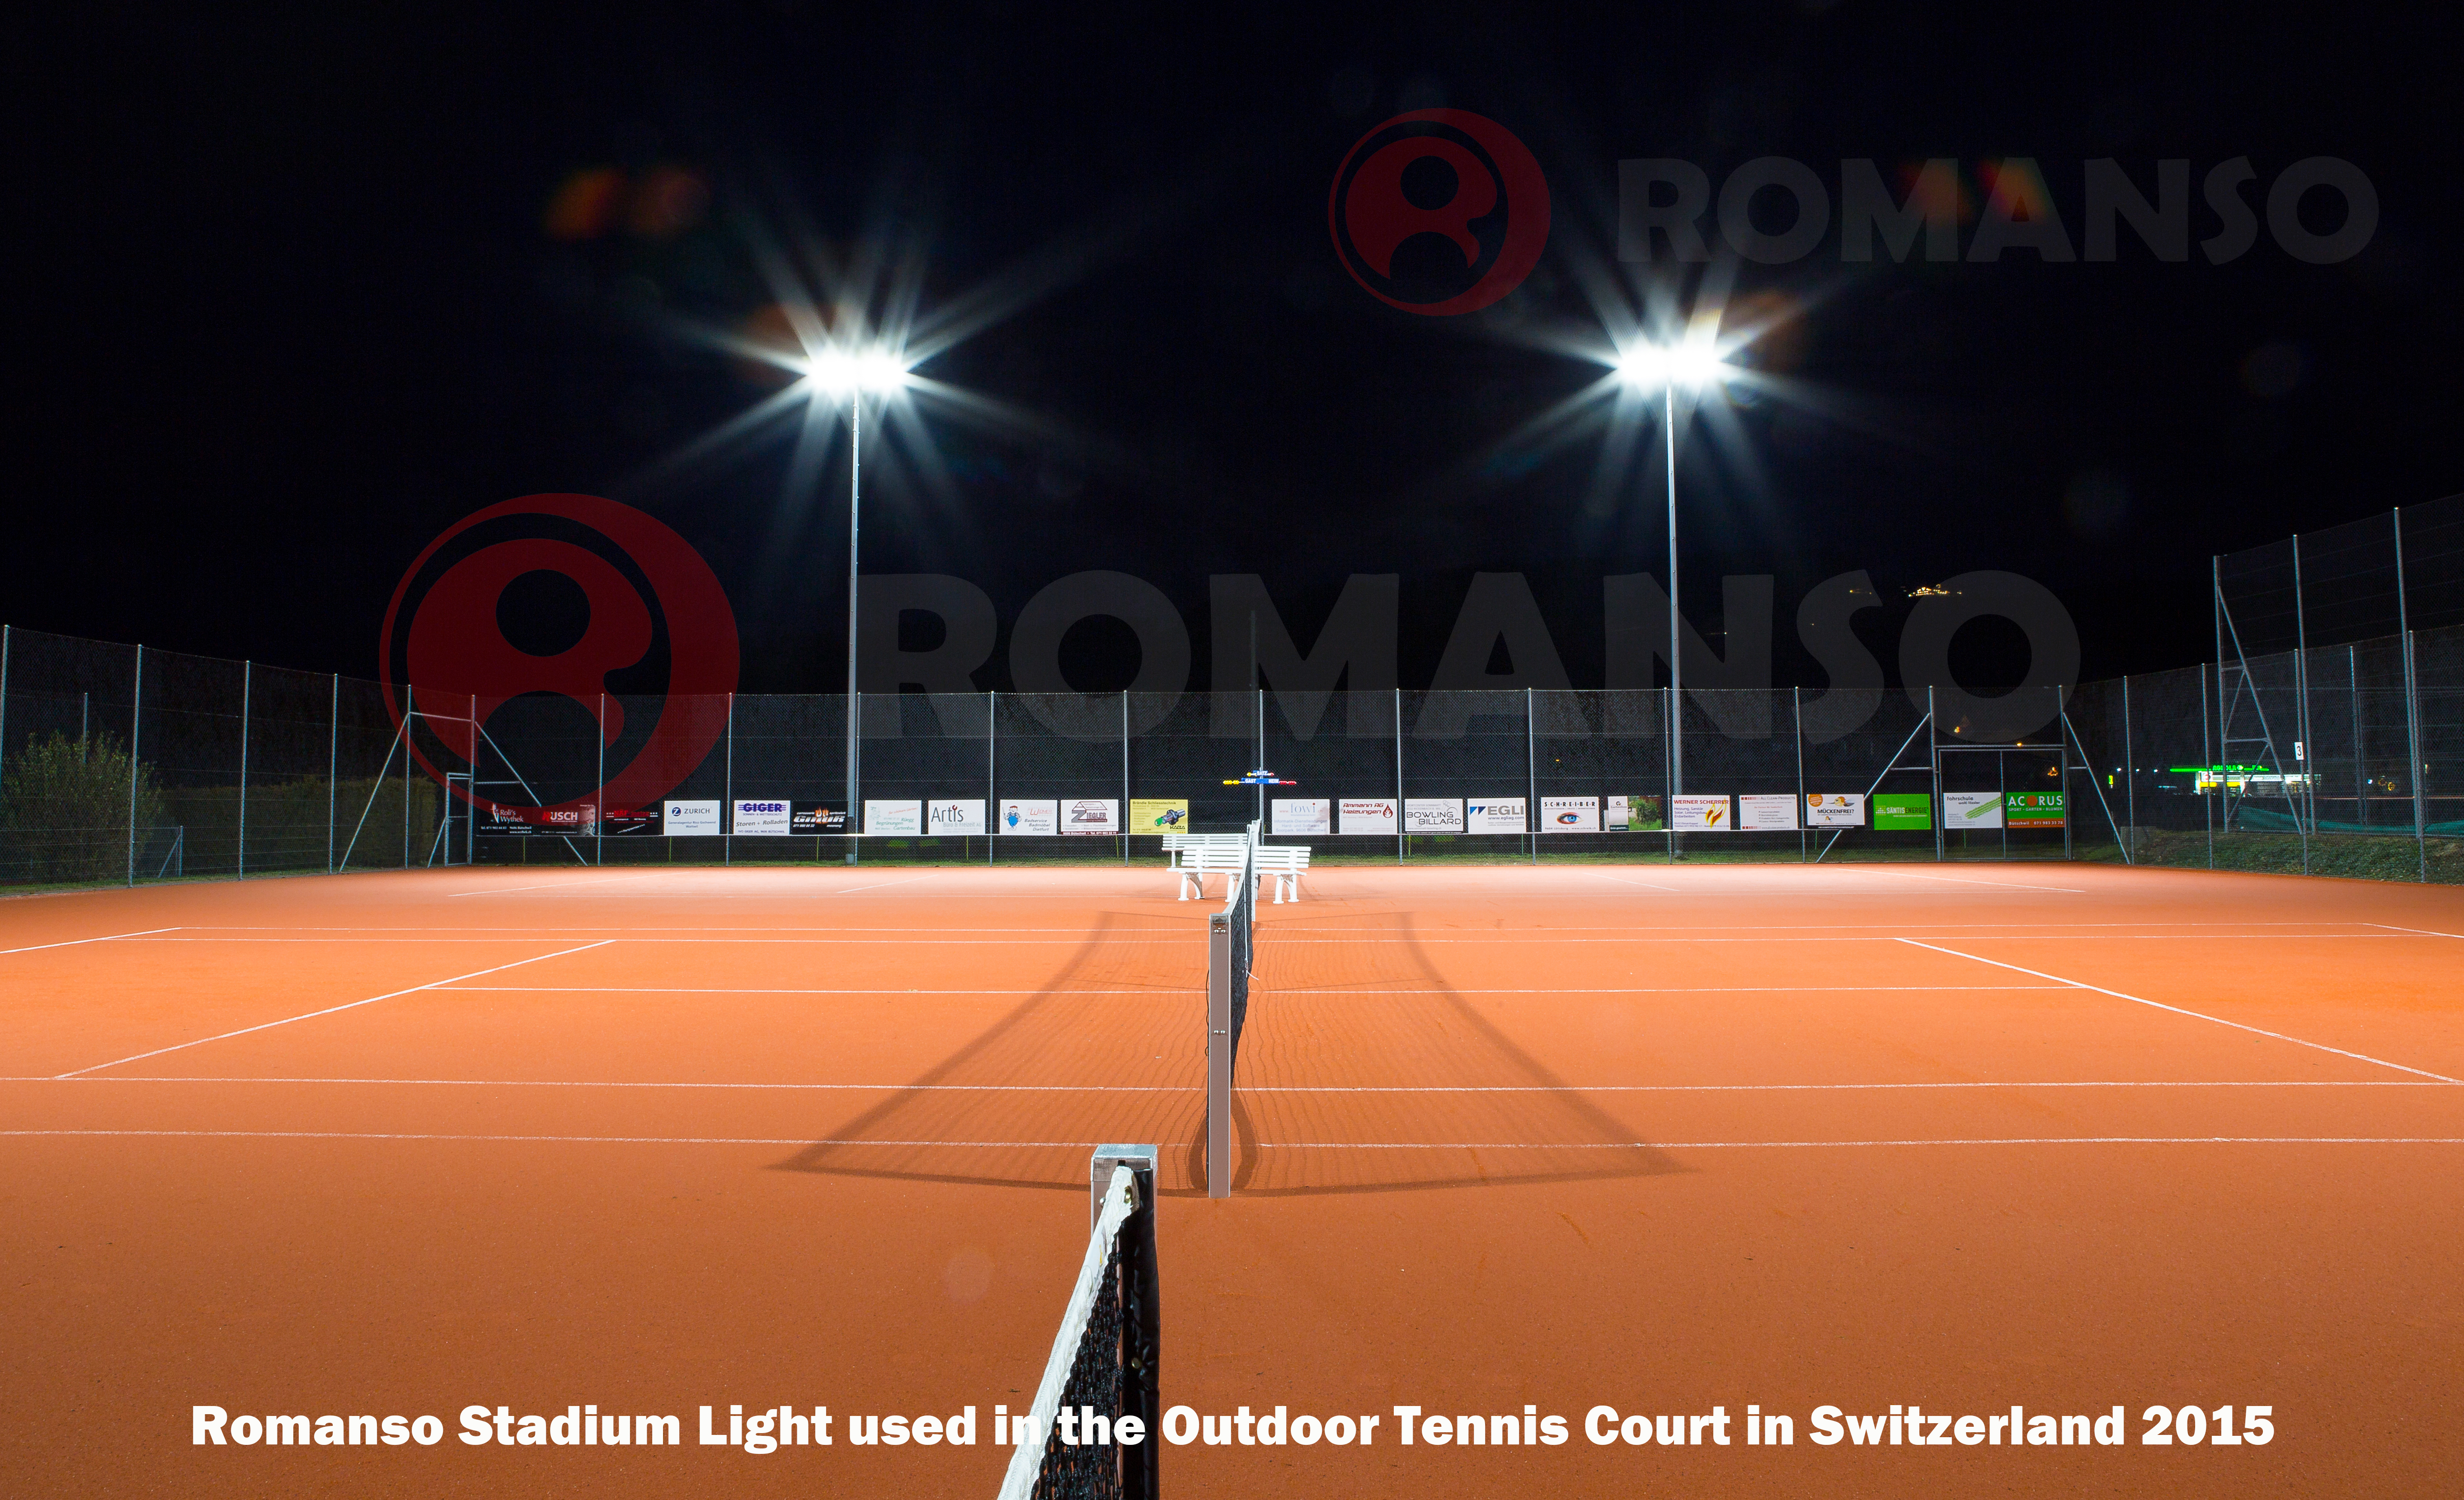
x: 1658, y: 1139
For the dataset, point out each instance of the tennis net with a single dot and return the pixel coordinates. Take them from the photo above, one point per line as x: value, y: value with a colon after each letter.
x: 1230, y: 937
x: 1102, y: 1371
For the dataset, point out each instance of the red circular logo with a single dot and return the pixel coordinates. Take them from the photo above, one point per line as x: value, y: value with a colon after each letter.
x: 647, y: 596
x: 1452, y: 174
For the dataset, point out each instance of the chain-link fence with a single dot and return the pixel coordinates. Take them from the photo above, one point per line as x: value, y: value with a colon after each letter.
x: 125, y: 765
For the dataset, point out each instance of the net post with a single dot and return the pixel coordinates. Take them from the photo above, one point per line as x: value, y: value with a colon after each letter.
x: 1218, y: 1053
x: 1141, y: 1317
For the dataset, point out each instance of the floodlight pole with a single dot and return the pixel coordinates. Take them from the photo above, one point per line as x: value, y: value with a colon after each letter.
x: 1676, y: 672
x: 855, y: 469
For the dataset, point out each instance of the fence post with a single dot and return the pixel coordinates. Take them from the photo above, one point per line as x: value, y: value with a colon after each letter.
x: 246, y: 682
x: 599, y: 793
x: 1125, y: 778
x: 333, y: 767
x: 1796, y: 700
x: 1399, y: 825
x: 2412, y: 741
x: 1530, y: 776
x: 727, y: 828
x: 2413, y: 767
x: 135, y: 729
x: 3, y: 708
x: 2305, y: 746
x: 1933, y: 755
x: 992, y: 746
x: 409, y: 717
x: 2204, y: 804
x: 2131, y: 778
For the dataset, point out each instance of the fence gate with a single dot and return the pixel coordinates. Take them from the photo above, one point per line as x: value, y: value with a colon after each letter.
x: 2004, y: 801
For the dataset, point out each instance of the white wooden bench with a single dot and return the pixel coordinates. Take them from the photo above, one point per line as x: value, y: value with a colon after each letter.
x: 1193, y: 863
x: 1283, y: 862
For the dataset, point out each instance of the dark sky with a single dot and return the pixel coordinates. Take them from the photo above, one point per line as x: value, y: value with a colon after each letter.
x: 291, y: 298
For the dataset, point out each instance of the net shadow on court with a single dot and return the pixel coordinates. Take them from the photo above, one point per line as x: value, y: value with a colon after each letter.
x: 1112, y: 1050
x: 1364, y: 1070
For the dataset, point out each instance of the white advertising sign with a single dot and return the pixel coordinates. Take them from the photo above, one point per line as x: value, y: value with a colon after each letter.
x: 1972, y: 809
x: 757, y: 817
x: 906, y: 818
x: 1759, y: 813
x: 1091, y: 815
x: 1433, y: 815
x: 1030, y: 817
x: 1367, y: 815
x: 1570, y: 815
x: 1835, y: 809
x: 1702, y: 814
x: 1300, y: 815
x: 1495, y: 815
x: 692, y: 817
x: 954, y: 817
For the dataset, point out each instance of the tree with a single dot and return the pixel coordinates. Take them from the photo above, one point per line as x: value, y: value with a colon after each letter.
x: 66, y: 812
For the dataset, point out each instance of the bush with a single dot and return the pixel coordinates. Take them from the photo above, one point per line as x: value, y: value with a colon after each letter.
x: 64, y: 810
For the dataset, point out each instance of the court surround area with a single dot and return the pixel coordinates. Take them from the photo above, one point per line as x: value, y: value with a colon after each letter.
x: 1664, y: 1138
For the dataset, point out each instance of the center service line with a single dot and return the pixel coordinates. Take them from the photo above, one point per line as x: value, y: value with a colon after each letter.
x: 2359, y: 1057
x: 331, y: 1009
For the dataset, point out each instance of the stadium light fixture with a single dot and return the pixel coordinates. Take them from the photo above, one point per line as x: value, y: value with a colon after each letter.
x: 851, y: 373
x: 1694, y: 363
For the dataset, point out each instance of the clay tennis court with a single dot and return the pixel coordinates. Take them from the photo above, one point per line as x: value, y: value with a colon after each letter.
x: 1659, y: 1137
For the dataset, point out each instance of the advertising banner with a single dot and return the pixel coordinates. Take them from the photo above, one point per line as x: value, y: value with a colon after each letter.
x: 813, y: 817
x: 1433, y: 815
x: 1634, y: 813
x: 1908, y: 811
x: 1759, y: 813
x: 1704, y: 812
x: 1368, y: 815
x: 629, y: 822
x: 1300, y: 815
x: 1091, y: 815
x: 952, y: 817
x: 1835, y: 809
x: 1159, y: 814
x: 759, y: 817
x: 1030, y: 817
x: 1570, y: 815
x: 504, y: 818
x: 1972, y: 811
x: 2033, y: 809
x: 895, y: 816
x: 1496, y: 815
x: 686, y: 819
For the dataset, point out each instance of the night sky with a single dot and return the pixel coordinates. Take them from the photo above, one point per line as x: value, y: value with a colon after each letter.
x: 295, y: 292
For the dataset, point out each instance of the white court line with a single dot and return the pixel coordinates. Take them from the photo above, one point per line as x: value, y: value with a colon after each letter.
x: 583, y: 929
x: 2418, y: 931
x: 1105, y: 1088
x: 560, y: 885
x: 1645, y: 884
x: 2135, y: 1000
x: 74, y: 941
x: 331, y: 1009
x: 877, y: 885
x: 938, y: 938
x: 1184, y: 989
x: 1749, y: 1145
x: 1272, y: 1145
x: 1970, y: 880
